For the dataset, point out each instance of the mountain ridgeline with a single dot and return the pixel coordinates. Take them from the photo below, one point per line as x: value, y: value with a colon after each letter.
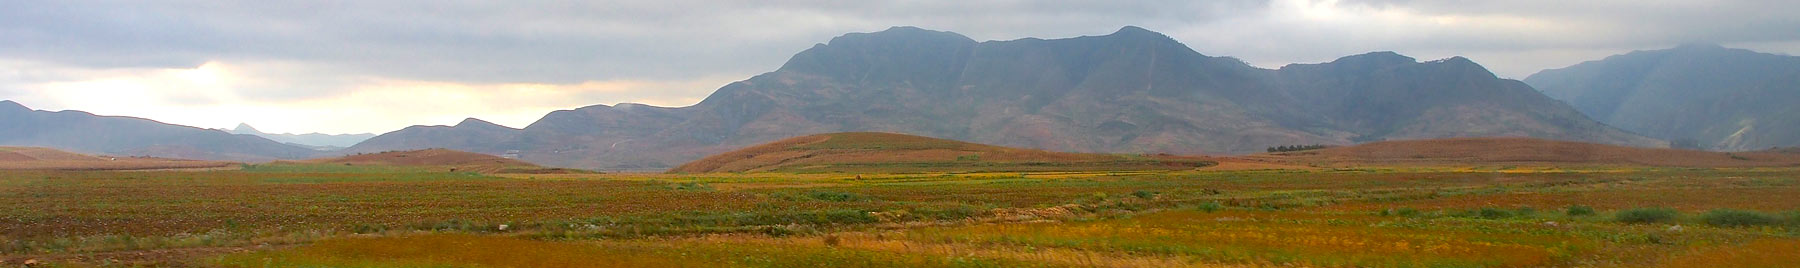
x: 316, y: 141
x: 130, y: 136
x: 1132, y: 91
x: 1701, y: 96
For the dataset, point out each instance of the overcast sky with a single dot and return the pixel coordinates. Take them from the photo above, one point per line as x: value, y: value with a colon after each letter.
x: 377, y: 66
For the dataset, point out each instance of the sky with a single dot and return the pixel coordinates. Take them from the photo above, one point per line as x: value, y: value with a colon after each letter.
x: 371, y: 66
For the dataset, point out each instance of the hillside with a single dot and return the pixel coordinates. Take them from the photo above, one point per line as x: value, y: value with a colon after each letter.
x: 37, y: 158
x: 888, y: 152
x: 1479, y: 151
x: 1133, y: 91
x: 1707, y: 96
x: 442, y: 159
x: 117, y: 135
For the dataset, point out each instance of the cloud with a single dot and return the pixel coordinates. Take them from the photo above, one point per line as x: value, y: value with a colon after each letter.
x: 305, y: 61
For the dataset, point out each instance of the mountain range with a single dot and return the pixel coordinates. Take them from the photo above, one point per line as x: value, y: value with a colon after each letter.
x: 130, y: 136
x: 1700, y: 96
x: 316, y: 141
x: 1134, y: 91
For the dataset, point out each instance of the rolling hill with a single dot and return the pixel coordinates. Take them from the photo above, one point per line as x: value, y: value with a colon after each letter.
x: 1484, y: 151
x: 1132, y: 91
x: 441, y: 159
x: 37, y: 158
x: 889, y: 152
x: 1705, y: 96
x: 117, y: 135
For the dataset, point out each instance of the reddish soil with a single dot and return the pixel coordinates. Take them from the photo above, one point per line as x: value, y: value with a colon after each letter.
x: 35, y: 158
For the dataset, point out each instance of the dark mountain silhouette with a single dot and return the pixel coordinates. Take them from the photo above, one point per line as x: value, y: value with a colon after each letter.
x: 1704, y: 96
x: 1133, y: 91
x: 130, y: 136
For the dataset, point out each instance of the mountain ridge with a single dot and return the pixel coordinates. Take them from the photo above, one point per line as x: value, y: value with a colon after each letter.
x: 1131, y: 91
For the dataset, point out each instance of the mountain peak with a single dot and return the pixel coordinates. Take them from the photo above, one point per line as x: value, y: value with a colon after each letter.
x: 470, y: 122
x: 1378, y: 58
x: 245, y: 128
x: 1134, y: 32
x: 901, y: 34
x: 1700, y: 46
x: 9, y: 105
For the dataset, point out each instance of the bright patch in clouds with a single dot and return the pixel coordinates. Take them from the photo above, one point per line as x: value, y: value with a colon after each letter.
x: 221, y: 95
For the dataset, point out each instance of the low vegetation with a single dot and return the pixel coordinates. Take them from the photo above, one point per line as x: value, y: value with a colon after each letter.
x: 385, y: 216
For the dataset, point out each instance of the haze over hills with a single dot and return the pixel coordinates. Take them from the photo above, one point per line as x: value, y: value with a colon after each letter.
x: 316, y: 141
x: 1132, y: 91
x: 1719, y: 98
x: 130, y: 136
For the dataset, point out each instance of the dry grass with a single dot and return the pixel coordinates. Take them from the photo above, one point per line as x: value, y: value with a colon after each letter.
x: 1467, y: 151
x: 34, y: 158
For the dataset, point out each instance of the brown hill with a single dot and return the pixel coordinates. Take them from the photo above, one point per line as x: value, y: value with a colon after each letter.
x: 448, y: 160
x: 888, y: 152
x: 37, y: 158
x: 1459, y: 151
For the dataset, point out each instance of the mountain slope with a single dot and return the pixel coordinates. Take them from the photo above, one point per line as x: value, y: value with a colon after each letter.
x: 1132, y: 91
x: 1510, y: 151
x: 316, y: 141
x: 1717, y: 98
x: 888, y: 152
x: 116, y: 135
x: 473, y: 135
x: 38, y: 158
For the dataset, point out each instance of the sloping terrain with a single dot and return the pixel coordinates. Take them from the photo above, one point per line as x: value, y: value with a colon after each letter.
x: 37, y: 158
x: 443, y: 159
x: 1479, y: 151
x: 1700, y: 96
x: 1132, y: 91
x: 888, y: 152
x: 117, y: 135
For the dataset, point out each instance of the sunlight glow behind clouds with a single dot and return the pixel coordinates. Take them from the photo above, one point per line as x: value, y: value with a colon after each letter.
x: 211, y: 96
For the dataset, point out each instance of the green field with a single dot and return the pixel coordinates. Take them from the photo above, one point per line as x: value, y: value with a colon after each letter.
x: 335, y: 216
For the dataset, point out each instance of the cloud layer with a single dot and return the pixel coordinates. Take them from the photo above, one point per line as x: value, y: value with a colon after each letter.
x: 374, y: 66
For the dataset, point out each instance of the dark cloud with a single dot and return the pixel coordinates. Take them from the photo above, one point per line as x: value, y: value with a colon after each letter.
x: 567, y: 42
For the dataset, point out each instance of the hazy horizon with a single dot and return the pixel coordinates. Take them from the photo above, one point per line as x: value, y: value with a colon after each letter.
x: 374, y: 67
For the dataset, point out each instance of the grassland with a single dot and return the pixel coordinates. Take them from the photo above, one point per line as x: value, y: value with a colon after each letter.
x: 370, y: 216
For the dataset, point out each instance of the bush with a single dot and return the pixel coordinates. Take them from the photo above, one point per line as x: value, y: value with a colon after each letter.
x: 836, y: 196
x: 1145, y: 194
x: 1579, y: 210
x: 1493, y: 213
x: 1646, y: 215
x: 1738, y: 218
x: 1211, y: 206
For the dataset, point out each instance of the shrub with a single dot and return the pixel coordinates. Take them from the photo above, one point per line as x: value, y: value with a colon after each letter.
x: 1493, y: 213
x: 1579, y: 210
x: 1738, y: 218
x: 1646, y: 215
x: 1213, y: 206
x: 1144, y: 194
x: 835, y: 196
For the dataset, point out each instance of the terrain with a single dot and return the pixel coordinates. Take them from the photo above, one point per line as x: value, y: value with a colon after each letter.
x: 36, y: 158
x: 873, y: 152
x: 1524, y: 151
x: 1702, y: 96
x: 84, y: 132
x: 365, y: 216
x: 1133, y: 91
x: 316, y: 141
x: 434, y: 160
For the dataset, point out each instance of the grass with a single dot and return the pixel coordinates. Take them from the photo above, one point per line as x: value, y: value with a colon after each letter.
x: 334, y: 216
